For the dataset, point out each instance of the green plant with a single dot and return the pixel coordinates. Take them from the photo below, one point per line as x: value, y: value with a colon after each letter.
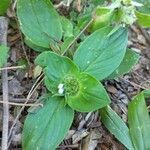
x: 136, y: 136
x: 3, y: 55
x: 72, y: 84
x: 4, y: 5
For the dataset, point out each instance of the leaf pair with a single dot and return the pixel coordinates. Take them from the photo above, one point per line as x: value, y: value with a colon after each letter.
x: 137, y: 135
x: 82, y: 92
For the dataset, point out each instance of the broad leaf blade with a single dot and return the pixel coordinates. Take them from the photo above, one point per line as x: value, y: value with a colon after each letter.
x: 143, y: 19
x: 56, y: 67
x: 91, y: 95
x: 39, y: 21
x: 101, y: 53
x: 3, y: 55
x: 47, y: 127
x: 4, y: 4
x: 116, y: 126
x: 129, y: 60
x: 139, y: 123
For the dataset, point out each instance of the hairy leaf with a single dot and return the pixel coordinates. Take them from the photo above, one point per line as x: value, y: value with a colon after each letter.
x: 116, y: 126
x: 39, y: 21
x: 139, y: 123
x: 102, y: 52
x: 46, y: 128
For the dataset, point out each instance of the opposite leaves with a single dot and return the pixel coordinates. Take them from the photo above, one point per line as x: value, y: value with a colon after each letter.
x: 82, y: 92
x: 137, y: 136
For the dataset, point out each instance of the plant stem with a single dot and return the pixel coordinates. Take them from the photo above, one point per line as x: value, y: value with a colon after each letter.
x: 77, y: 36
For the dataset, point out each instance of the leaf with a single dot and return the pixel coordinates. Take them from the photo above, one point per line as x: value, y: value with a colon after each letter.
x: 139, y: 123
x: 41, y: 24
x: 102, y: 52
x: 56, y: 68
x: 146, y: 8
x: 3, y: 55
x: 67, y: 27
x: 116, y: 126
x: 34, y: 46
x: 146, y: 93
x: 46, y: 128
x: 91, y: 95
x: 3, y: 6
x: 130, y: 59
x: 103, y: 17
x: 143, y: 19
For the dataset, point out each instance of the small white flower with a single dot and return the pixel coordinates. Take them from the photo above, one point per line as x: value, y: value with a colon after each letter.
x: 61, y: 88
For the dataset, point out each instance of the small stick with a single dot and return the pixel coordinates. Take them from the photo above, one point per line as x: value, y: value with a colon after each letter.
x: 77, y: 36
x: 21, y: 104
x: 36, y: 84
x: 3, y: 40
x: 134, y: 84
x: 13, y: 67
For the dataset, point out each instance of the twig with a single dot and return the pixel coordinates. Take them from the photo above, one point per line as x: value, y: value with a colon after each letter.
x: 34, y: 87
x: 13, y: 67
x: 135, y: 85
x: 21, y: 104
x: 18, y: 100
x: 3, y: 40
x: 77, y: 36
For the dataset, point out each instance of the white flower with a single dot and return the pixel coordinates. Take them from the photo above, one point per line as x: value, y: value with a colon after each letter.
x: 61, y: 88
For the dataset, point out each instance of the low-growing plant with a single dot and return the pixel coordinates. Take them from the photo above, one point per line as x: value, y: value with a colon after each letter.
x: 136, y: 136
x: 73, y: 74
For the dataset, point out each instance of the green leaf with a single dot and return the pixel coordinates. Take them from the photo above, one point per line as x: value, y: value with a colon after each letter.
x: 116, y: 126
x: 146, y: 6
x: 143, y: 19
x: 3, y: 6
x: 66, y: 43
x: 102, y: 52
x: 130, y: 59
x: 103, y: 17
x: 67, y: 27
x: 91, y: 95
x: 3, y: 55
x: 47, y: 127
x: 82, y: 92
x: 56, y: 68
x: 41, y: 24
x: 139, y: 123
x: 34, y: 46
x: 146, y: 93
